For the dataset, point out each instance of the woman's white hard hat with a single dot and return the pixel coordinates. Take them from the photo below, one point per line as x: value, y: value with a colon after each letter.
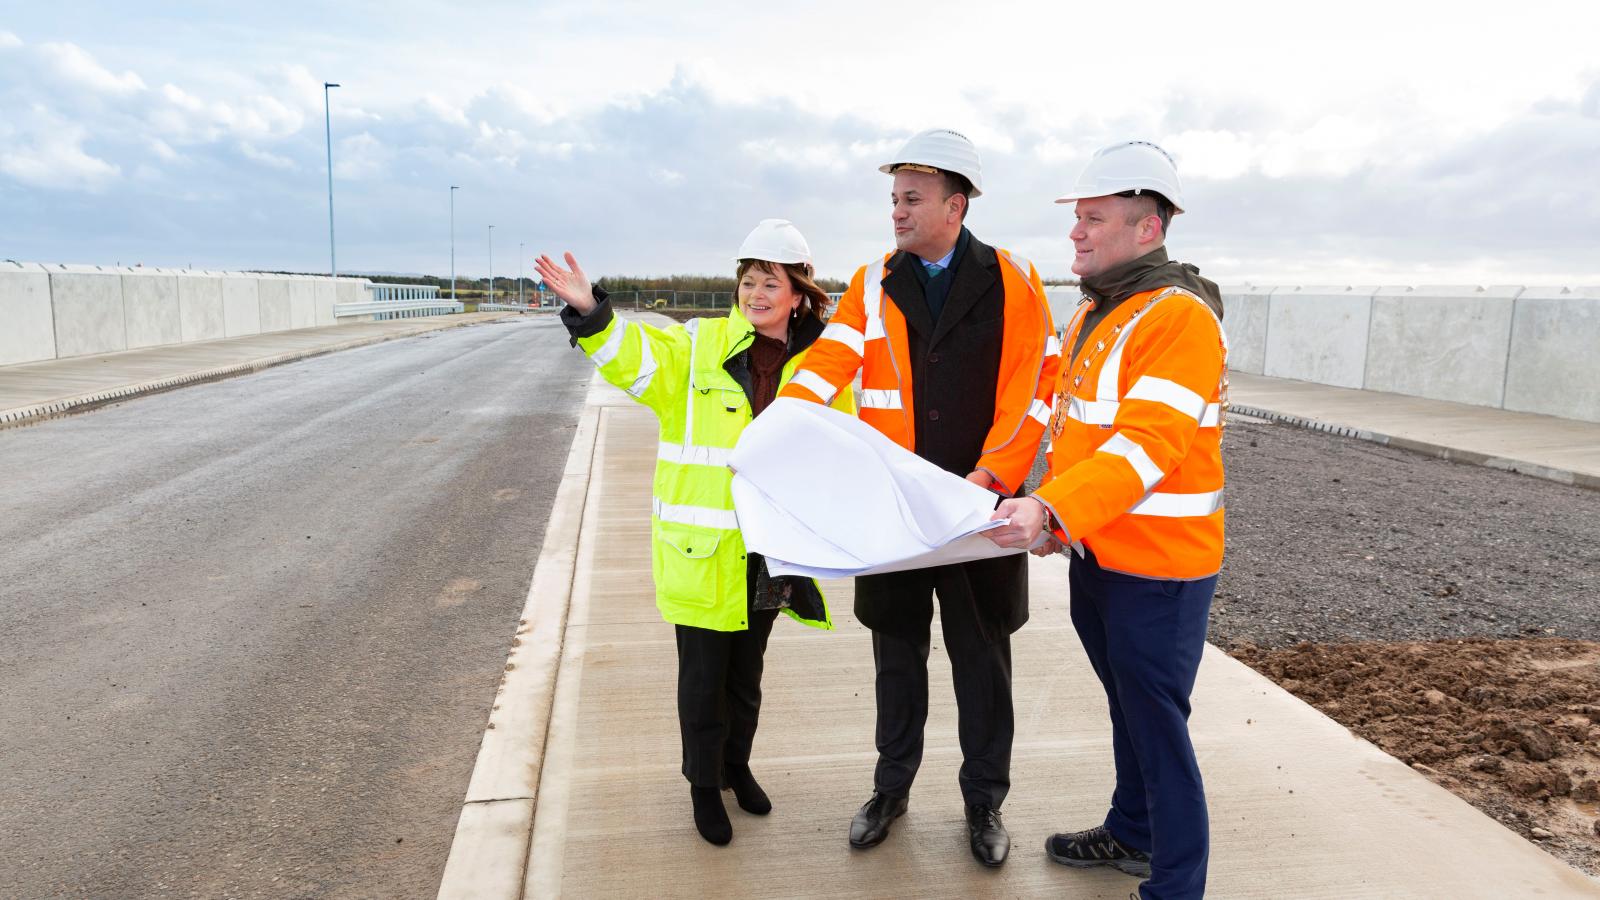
x: 776, y: 240
x: 940, y: 148
x: 1136, y: 166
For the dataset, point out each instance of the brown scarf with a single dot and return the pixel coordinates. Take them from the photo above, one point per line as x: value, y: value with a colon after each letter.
x: 766, y: 370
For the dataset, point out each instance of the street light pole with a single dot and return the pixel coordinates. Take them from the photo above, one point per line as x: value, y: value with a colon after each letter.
x: 327, y: 124
x: 491, y: 265
x: 453, y: 189
x: 521, y: 301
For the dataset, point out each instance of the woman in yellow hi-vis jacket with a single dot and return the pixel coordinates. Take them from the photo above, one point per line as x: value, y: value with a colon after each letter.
x: 706, y: 380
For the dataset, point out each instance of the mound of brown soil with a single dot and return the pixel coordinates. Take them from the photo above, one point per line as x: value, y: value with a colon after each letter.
x: 1511, y: 726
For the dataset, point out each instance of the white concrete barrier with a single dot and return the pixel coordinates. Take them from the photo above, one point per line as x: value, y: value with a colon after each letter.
x: 241, y: 306
x: 327, y: 294
x: 276, y: 306
x: 87, y: 303
x: 1319, y: 334
x: 200, y: 307
x: 54, y: 311
x: 1245, y: 315
x: 27, y: 326
x: 1063, y: 300
x: 302, y: 303
x: 1554, y: 365
x: 1444, y: 343
x: 150, y: 311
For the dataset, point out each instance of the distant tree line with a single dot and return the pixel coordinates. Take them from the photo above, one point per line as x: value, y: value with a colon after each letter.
x: 723, y: 283
x: 611, y: 283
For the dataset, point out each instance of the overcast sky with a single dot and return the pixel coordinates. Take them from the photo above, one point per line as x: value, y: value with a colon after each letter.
x: 1341, y: 143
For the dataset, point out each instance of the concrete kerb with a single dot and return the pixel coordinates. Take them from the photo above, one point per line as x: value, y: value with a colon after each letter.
x: 1427, y: 448
x: 489, y: 853
x: 29, y: 415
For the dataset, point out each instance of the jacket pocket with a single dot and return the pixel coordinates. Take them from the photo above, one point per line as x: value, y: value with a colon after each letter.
x: 687, y: 570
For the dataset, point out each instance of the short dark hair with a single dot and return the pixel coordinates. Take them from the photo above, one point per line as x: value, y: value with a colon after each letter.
x: 1160, y: 207
x: 957, y: 184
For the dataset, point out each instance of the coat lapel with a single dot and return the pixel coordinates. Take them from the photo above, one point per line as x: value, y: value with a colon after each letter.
x: 905, y: 291
x: 973, y: 278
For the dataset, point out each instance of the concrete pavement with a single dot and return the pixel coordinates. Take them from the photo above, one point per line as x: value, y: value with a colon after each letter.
x: 587, y: 800
x: 32, y: 391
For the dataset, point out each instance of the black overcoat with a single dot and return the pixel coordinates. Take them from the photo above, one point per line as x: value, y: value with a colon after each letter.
x: 955, y: 365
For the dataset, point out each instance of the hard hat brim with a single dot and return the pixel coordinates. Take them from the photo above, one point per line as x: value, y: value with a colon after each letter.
x: 1075, y: 196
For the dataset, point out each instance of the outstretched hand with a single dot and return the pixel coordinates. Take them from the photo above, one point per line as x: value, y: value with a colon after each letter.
x: 570, y: 284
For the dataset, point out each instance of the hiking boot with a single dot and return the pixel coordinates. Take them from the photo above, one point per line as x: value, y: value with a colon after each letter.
x: 1096, y: 847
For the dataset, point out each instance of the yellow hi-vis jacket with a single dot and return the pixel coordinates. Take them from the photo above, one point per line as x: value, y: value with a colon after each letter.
x: 697, y: 552
x: 1136, y: 455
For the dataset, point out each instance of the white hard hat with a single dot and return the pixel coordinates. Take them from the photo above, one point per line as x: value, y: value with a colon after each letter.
x: 776, y: 240
x: 940, y: 148
x: 1128, y: 166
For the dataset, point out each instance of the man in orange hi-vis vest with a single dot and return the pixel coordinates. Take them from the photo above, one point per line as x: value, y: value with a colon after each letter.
x: 1135, y: 489
x: 953, y: 343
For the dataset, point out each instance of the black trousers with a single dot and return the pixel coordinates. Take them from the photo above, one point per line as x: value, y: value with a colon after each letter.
x: 981, y: 669
x: 719, y: 696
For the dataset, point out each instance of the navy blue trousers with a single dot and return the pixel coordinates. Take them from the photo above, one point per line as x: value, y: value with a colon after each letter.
x: 1144, y: 637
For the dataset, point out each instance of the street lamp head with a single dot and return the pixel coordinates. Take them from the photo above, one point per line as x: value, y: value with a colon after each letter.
x: 329, y: 84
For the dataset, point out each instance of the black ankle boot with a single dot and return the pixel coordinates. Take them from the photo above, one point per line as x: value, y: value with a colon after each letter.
x: 752, y: 799
x: 710, y: 817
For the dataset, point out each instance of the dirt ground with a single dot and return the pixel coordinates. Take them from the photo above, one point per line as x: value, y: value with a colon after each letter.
x: 1510, y: 726
x: 1446, y: 613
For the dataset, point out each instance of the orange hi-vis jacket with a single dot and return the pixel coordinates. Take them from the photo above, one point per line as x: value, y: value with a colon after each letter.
x: 1136, y: 455
x: 868, y: 333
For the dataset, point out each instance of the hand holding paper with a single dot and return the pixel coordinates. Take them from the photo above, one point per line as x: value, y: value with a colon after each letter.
x: 1025, y: 520
x: 879, y: 508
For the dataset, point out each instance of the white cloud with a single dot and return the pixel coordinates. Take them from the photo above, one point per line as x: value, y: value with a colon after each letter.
x: 653, y: 137
x: 48, y: 153
x: 361, y: 158
x: 73, y: 64
x: 271, y: 160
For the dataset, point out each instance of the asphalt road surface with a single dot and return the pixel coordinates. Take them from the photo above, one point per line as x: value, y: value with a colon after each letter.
x: 250, y: 630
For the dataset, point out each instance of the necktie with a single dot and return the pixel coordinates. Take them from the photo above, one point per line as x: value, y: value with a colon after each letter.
x: 933, y: 269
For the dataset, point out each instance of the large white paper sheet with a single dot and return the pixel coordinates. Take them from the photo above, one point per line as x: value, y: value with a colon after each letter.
x: 822, y: 494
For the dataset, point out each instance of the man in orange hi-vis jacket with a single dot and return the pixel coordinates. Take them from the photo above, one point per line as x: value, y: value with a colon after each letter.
x: 1135, y: 489
x: 953, y: 342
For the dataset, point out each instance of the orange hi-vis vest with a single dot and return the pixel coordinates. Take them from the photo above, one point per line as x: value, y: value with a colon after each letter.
x: 868, y: 333
x: 1136, y: 454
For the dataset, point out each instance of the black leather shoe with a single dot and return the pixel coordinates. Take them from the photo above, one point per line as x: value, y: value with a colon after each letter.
x: 871, y: 824
x: 989, y: 839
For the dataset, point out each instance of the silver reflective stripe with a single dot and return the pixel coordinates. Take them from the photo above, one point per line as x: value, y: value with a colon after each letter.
x: 814, y: 383
x: 1169, y: 393
x: 1111, y: 370
x: 613, y: 345
x: 1179, y: 506
x: 1211, y: 416
x: 872, y: 301
x: 647, y: 368
x: 1092, y: 412
x: 1149, y: 473
x: 844, y: 334
x: 1021, y: 264
x: 1040, y: 410
x: 693, y: 456
x: 703, y: 516
x: 1052, y: 346
x: 693, y: 327
x: 880, y: 399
